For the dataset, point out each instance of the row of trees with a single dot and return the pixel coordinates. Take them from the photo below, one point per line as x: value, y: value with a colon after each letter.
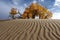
x: 30, y: 12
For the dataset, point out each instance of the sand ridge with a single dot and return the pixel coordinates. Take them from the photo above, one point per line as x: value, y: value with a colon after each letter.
x: 30, y: 29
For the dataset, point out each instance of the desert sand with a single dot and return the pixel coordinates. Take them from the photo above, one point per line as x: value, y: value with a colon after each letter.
x: 30, y: 29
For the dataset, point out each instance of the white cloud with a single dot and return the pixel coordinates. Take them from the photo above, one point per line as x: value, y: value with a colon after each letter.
x: 16, y: 2
x: 25, y: 5
x: 22, y: 9
x: 56, y: 16
x: 56, y: 7
x: 57, y: 3
x: 57, y: 0
x: 34, y: 1
x: 42, y: 0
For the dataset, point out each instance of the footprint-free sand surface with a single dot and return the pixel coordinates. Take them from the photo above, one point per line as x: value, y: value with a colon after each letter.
x: 30, y: 29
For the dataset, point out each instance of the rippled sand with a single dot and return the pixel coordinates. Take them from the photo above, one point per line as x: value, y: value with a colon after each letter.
x: 30, y: 29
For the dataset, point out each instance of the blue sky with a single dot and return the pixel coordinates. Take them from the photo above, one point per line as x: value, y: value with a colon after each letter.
x: 6, y: 5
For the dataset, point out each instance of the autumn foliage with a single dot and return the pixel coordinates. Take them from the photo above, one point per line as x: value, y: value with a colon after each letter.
x: 13, y: 11
x: 36, y: 10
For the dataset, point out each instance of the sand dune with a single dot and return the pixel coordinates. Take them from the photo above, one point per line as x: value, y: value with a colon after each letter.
x: 30, y: 29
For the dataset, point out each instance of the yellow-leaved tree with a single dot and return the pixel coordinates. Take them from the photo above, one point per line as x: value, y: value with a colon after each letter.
x: 36, y: 10
x: 13, y: 12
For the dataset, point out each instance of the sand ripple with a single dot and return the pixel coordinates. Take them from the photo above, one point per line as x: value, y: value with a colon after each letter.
x: 30, y: 29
